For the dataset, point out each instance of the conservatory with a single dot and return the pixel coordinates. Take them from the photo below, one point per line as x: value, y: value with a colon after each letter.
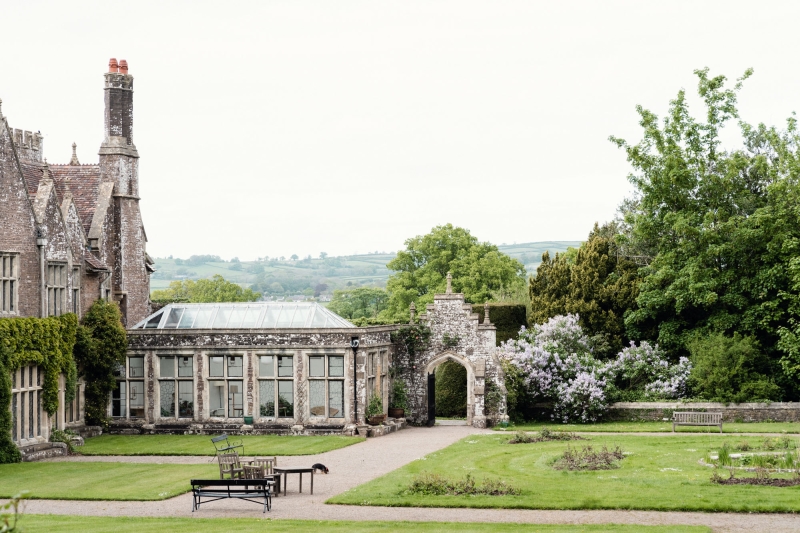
x: 263, y: 366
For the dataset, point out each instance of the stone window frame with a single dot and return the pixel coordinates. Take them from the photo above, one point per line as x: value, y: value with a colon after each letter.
x: 126, y: 376
x: 277, y: 379
x: 9, y: 283
x: 327, y: 378
x: 76, y: 290
x: 57, y: 283
x: 227, y: 378
x: 177, y: 358
x: 27, y: 418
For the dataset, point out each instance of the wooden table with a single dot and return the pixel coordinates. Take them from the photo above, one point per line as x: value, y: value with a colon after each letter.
x: 299, y: 471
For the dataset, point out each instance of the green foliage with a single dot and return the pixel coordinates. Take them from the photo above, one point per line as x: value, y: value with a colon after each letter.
x: 375, y: 406
x: 361, y: 302
x: 492, y: 399
x: 100, y: 350
x: 9, y: 453
x: 57, y: 435
x: 450, y: 341
x: 45, y: 342
x: 730, y: 369
x: 10, y: 513
x: 593, y: 281
x: 519, y: 399
x: 421, y: 269
x: 451, y: 390
x: 398, y: 399
x: 216, y: 289
x: 411, y: 339
x: 723, y: 228
x: 437, y: 485
x: 508, y: 318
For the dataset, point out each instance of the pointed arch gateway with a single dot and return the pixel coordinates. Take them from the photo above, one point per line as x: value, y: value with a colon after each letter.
x: 430, y: 368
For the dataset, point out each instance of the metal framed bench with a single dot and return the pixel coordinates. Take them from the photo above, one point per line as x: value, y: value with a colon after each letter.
x: 223, y: 444
x: 251, y: 490
x: 696, y: 419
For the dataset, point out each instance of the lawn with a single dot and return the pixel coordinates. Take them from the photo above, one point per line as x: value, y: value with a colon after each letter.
x: 101, y: 481
x: 659, y: 474
x: 84, y: 524
x: 201, y: 444
x: 661, y: 427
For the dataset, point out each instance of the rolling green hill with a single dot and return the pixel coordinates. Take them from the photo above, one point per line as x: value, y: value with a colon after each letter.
x: 309, y: 276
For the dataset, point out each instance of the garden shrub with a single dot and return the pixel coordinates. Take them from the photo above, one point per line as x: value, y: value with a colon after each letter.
x: 438, y: 485
x: 451, y: 390
x: 398, y: 399
x: 9, y: 453
x: 587, y: 458
x: 100, y: 349
x: 730, y: 369
x: 555, y: 363
x: 544, y: 435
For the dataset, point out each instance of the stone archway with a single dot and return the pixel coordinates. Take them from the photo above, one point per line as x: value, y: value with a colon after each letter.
x: 449, y: 355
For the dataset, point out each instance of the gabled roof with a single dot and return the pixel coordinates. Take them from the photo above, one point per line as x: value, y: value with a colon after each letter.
x: 254, y: 315
x: 94, y: 263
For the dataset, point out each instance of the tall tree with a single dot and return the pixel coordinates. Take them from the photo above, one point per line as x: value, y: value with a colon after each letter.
x: 723, y: 224
x: 478, y: 269
x: 595, y: 282
x: 360, y: 302
x: 216, y: 289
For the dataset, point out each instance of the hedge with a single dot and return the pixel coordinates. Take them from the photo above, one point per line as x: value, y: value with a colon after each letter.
x: 507, y: 318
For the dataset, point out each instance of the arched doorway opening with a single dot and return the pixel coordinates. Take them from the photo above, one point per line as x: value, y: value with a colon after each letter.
x: 450, y: 388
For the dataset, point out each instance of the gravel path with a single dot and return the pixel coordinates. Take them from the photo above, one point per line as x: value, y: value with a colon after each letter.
x: 357, y: 464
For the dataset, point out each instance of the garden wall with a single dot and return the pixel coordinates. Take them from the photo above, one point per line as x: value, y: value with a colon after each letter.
x: 659, y: 411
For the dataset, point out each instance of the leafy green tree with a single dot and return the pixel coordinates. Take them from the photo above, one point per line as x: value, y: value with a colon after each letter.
x: 478, y: 269
x: 99, y: 350
x: 360, y: 302
x: 216, y: 289
x: 595, y: 282
x: 730, y: 369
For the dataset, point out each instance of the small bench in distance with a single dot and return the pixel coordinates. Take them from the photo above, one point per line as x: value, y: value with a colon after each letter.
x: 696, y: 419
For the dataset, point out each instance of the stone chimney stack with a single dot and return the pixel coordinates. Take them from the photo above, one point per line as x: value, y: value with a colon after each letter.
x: 119, y: 107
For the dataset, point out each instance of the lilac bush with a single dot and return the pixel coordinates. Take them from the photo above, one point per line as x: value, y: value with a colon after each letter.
x: 556, y: 362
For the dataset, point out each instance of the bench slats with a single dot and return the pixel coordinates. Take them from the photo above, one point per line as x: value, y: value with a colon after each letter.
x: 696, y: 419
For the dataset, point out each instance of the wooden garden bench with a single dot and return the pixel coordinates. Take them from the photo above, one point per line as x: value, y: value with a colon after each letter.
x: 242, y: 489
x: 696, y: 419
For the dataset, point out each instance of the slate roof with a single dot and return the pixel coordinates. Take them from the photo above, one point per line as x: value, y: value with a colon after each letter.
x: 83, y: 181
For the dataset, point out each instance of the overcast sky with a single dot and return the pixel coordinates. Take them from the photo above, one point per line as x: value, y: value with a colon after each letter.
x: 293, y: 127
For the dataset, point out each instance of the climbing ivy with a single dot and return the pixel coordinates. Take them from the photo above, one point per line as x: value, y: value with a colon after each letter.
x: 414, y: 339
x: 45, y: 342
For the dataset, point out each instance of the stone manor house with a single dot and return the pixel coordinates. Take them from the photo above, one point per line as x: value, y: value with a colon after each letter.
x: 72, y: 233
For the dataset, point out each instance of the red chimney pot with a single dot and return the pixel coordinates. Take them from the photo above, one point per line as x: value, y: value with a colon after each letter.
x: 112, y: 65
x: 123, y: 66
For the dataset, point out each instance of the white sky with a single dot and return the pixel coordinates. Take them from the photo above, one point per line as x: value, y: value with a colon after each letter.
x: 274, y: 128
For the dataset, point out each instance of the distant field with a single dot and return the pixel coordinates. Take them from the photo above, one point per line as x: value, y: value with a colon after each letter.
x: 336, y: 272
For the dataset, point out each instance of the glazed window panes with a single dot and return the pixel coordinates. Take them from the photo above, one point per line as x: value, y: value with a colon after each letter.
x: 336, y: 399
x: 285, y: 399
x: 217, y: 398
x: 76, y: 291
x: 251, y: 317
x: 316, y: 366
x: 136, y: 398
x: 285, y: 366
x: 235, y: 399
x: 8, y: 283
x: 266, y: 366
x: 187, y: 319
x: 173, y: 318
x: 185, y: 367
x: 185, y: 399
x: 266, y: 394
x: 221, y: 320
x: 136, y: 367
x: 56, y: 289
x: 119, y: 400
x: 335, y: 366
x: 316, y: 397
x: 235, y: 366
x: 216, y: 366
x: 167, y: 390
x: 203, y: 316
x: 167, y: 367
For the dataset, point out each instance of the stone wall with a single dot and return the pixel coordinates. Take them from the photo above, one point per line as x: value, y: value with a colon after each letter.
x: 742, y: 412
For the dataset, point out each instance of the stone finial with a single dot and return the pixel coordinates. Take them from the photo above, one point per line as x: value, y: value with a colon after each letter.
x: 46, y: 172
x: 112, y: 65
x: 412, y: 309
x: 449, y: 289
x: 486, y: 314
x: 74, y: 161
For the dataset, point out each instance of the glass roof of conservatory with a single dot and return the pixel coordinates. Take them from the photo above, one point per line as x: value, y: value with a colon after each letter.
x: 254, y: 315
